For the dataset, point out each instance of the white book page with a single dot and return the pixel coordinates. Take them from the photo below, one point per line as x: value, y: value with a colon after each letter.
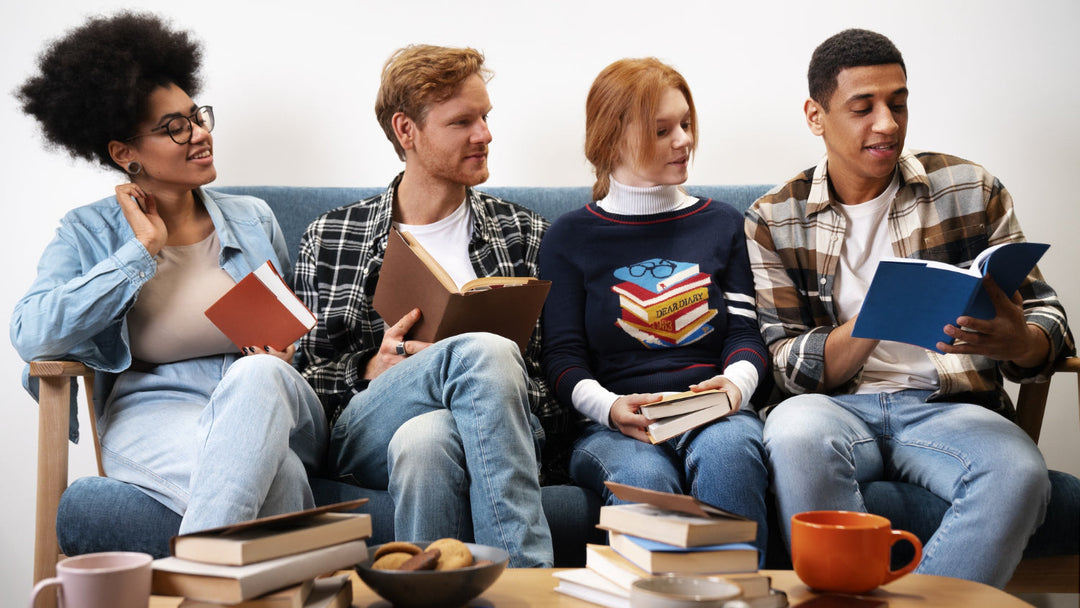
x: 277, y: 286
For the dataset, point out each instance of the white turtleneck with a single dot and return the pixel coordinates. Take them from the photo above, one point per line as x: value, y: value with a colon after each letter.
x: 589, y: 396
x: 631, y: 200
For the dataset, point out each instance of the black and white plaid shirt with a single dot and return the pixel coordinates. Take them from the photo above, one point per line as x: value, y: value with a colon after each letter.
x: 338, y: 266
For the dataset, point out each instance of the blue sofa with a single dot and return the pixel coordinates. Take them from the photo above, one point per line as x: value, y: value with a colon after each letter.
x: 97, y: 514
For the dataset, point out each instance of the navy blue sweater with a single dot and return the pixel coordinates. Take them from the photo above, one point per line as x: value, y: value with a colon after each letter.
x: 647, y: 303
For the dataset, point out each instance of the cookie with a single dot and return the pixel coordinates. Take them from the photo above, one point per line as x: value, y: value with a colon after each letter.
x: 391, y: 561
x: 422, y: 561
x: 396, y: 547
x: 454, y: 554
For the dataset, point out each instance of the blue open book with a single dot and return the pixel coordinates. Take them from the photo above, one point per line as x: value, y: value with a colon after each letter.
x: 912, y: 301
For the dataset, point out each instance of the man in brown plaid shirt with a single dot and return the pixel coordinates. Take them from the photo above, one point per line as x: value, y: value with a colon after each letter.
x: 867, y: 409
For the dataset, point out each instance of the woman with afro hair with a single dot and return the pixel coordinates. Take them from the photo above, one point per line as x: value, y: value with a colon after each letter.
x: 215, y: 434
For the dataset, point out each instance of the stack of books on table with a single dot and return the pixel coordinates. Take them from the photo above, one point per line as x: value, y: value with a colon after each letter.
x: 659, y: 534
x: 272, y: 562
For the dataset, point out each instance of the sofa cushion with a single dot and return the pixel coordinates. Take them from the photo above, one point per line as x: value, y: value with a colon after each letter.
x: 297, y: 206
x: 102, y: 514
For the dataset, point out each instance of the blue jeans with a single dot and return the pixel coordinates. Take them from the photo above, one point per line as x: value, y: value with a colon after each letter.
x: 218, y: 439
x: 449, y: 433
x: 722, y: 464
x: 822, y: 447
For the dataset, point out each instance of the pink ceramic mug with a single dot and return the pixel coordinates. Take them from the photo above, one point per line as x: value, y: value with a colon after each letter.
x: 101, y: 580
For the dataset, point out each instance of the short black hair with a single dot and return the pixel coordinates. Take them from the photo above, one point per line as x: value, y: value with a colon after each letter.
x: 847, y: 49
x: 95, y: 82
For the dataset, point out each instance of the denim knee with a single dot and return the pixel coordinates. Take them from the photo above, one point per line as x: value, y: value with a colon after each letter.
x: 259, y: 366
x: 482, y: 345
x: 801, y: 420
x: 425, y: 442
x: 260, y: 371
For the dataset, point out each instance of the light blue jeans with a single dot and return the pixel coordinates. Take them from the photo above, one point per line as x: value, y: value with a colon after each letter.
x: 722, y: 464
x: 449, y: 433
x: 994, y: 477
x: 218, y: 439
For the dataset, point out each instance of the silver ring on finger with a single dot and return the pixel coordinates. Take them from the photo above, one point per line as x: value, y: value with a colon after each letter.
x: 400, y: 349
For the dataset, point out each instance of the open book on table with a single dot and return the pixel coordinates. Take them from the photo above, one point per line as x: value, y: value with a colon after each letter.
x: 912, y: 301
x: 411, y: 278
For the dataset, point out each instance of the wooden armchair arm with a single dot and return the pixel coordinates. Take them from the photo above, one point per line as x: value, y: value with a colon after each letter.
x: 1031, y: 404
x: 54, y: 417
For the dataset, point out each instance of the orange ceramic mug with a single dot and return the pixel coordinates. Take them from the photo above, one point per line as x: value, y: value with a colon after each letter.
x: 846, y: 552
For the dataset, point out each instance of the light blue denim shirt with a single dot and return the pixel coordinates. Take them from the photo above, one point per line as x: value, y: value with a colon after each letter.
x: 91, y: 273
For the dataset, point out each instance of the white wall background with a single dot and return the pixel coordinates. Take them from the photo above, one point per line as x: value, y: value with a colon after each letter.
x: 293, y: 86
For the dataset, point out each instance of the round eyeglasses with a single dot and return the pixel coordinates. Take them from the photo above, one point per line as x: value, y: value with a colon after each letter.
x: 179, y: 128
x: 660, y: 269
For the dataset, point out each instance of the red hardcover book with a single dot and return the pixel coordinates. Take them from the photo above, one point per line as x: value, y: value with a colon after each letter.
x: 261, y: 310
x: 674, y: 322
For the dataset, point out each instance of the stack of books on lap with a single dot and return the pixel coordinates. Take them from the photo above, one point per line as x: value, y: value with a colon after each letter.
x: 271, y: 562
x: 677, y: 413
x: 661, y: 533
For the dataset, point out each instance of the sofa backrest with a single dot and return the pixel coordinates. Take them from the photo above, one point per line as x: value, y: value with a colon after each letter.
x: 297, y: 206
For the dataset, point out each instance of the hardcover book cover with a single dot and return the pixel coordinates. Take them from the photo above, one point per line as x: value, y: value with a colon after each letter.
x: 272, y: 537
x: 656, y: 557
x: 410, y: 278
x: 675, y: 519
x: 261, y: 310
x: 912, y: 301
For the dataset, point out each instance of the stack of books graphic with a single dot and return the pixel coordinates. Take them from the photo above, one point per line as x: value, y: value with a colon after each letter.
x: 664, y: 303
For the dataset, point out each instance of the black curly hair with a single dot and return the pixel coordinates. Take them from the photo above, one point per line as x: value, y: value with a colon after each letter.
x: 848, y: 49
x: 95, y: 82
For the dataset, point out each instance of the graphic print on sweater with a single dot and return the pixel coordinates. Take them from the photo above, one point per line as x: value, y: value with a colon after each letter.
x: 664, y: 303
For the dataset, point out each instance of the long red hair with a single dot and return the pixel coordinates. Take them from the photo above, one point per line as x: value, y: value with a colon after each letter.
x: 626, y: 95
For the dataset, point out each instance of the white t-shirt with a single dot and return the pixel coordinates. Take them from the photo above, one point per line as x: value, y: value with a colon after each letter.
x: 447, y: 240
x: 893, y: 366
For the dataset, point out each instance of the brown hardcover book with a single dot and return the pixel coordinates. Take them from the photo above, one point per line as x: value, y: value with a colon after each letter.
x: 658, y: 558
x: 675, y: 519
x: 289, y: 597
x: 234, y: 584
x: 684, y: 403
x: 666, y: 428
x: 410, y: 278
x: 329, y: 592
x: 274, y: 536
x: 261, y: 310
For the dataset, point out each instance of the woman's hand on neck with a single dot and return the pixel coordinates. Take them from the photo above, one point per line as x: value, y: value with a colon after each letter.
x: 182, y: 216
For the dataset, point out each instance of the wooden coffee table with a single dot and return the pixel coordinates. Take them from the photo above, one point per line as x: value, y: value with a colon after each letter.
x: 534, y: 588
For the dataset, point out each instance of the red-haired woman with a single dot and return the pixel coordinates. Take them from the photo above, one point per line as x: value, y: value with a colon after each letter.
x: 652, y: 293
